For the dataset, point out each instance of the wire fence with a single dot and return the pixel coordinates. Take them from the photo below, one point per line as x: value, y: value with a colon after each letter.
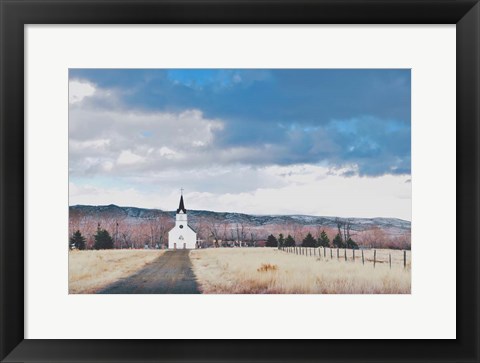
x: 393, y: 258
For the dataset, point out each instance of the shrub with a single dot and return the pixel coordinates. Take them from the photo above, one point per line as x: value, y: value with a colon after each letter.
x: 351, y: 244
x: 289, y: 241
x: 309, y: 241
x: 103, y: 241
x: 338, y: 241
x: 77, y: 241
x: 271, y: 241
x: 267, y: 267
x: 323, y: 240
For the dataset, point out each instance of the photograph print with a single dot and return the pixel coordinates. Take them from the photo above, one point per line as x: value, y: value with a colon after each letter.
x: 239, y: 181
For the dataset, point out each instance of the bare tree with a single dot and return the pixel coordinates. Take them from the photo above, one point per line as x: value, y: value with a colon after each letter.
x: 344, y: 227
x: 253, y: 237
x: 241, y: 233
x: 214, y: 228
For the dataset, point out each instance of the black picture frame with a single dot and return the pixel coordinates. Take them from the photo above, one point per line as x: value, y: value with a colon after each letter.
x: 15, y: 14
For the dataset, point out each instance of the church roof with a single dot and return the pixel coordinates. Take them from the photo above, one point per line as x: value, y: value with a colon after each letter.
x: 181, y: 207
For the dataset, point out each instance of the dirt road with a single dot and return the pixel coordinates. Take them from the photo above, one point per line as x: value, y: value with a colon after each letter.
x: 171, y: 273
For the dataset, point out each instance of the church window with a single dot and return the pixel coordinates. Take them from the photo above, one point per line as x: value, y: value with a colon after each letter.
x: 181, y: 238
x: 181, y: 226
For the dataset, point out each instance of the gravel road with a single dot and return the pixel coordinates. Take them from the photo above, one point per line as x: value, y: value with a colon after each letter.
x: 171, y: 273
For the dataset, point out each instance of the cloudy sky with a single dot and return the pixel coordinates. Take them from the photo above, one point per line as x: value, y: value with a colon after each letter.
x: 296, y: 141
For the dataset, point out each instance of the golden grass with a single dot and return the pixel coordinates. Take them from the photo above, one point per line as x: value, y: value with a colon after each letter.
x: 89, y: 271
x: 268, y: 270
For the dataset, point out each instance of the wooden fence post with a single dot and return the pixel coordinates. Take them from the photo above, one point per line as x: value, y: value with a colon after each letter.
x: 324, y: 251
x: 338, y: 253
x: 374, y: 257
x: 331, y: 253
x: 390, y: 259
x: 363, y: 259
x: 353, y: 255
x: 345, y: 253
x: 404, y: 259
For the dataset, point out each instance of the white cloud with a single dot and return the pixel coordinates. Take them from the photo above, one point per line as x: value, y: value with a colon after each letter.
x: 147, y: 141
x: 155, y: 153
x: 93, y: 195
x: 78, y: 90
x: 96, y: 144
x: 307, y: 189
x: 315, y: 191
x: 168, y: 153
x: 127, y: 157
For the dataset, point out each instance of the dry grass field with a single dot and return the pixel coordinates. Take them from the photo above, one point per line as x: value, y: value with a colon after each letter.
x: 89, y: 271
x: 270, y: 271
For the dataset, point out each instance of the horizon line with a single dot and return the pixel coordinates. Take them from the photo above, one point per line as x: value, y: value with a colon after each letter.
x: 263, y: 215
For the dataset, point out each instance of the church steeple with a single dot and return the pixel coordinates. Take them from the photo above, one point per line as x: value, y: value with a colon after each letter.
x: 181, y: 207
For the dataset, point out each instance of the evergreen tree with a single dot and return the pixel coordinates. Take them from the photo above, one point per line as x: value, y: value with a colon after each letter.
x: 77, y: 241
x: 338, y: 241
x: 309, y: 241
x: 103, y: 241
x: 281, y: 240
x: 271, y: 241
x: 352, y: 244
x: 323, y: 240
x: 289, y: 241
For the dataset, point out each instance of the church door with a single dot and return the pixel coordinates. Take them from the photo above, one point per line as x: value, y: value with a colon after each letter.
x: 174, y: 246
x: 184, y: 245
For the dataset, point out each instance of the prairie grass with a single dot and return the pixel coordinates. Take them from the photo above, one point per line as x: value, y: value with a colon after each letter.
x: 271, y: 271
x: 89, y: 271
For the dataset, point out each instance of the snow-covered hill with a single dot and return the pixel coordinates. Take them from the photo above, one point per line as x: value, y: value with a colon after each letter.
x: 392, y: 225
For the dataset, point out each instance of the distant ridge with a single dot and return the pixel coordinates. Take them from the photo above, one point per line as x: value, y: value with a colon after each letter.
x: 394, y: 226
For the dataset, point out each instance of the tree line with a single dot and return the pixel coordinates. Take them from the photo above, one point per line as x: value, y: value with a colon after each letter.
x: 152, y: 232
x: 310, y: 241
x: 103, y: 240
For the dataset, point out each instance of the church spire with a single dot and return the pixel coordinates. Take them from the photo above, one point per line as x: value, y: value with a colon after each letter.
x: 181, y: 207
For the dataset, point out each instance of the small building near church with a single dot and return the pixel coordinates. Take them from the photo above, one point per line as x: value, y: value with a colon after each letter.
x: 182, y: 236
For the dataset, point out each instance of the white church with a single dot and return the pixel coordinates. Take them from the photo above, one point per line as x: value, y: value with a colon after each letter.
x: 182, y: 236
